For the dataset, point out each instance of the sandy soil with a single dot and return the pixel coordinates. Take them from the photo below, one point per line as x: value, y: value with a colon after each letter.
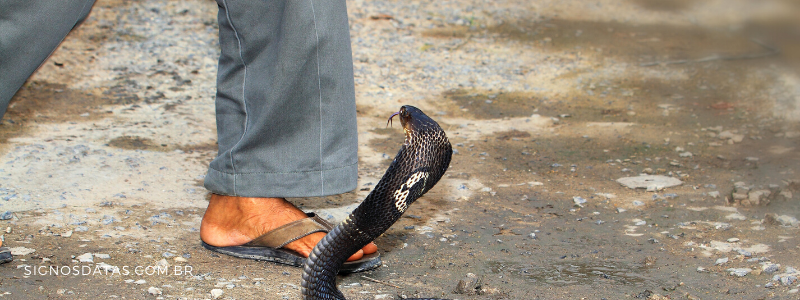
x: 547, y: 103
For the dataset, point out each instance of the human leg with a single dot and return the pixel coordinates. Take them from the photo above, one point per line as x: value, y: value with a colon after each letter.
x: 29, y: 32
x: 285, y: 117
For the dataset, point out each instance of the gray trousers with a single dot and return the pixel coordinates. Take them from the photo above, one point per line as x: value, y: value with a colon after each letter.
x: 285, y: 104
x: 30, y: 31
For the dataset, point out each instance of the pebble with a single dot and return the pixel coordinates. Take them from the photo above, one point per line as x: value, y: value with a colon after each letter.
x: 733, y: 240
x: 649, y: 182
x: 140, y: 281
x: 721, y: 261
x: 108, y: 220
x: 770, y: 268
x: 162, y: 263
x: 216, y: 293
x: 81, y: 229
x: 86, y: 257
x: 7, y: 215
x: 782, y: 220
x: 740, y: 272
x: 154, y: 290
x: 67, y: 234
x: 102, y: 255
x: 637, y: 203
x: 579, y: 201
x: 21, y: 251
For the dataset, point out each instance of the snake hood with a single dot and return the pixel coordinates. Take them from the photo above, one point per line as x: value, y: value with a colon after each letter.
x: 421, y: 162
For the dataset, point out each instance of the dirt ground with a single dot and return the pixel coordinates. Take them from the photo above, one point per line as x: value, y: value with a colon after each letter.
x: 547, y: 104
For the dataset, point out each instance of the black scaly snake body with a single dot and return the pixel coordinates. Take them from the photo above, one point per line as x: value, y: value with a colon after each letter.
x: 420, y: 163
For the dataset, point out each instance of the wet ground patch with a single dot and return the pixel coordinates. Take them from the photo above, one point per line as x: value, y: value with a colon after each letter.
x: 48, y: 102
x: 487, y: 104
x: 640, y: 43
x: 664, y: 5
x: 43, y: 102
x: 136, y: 143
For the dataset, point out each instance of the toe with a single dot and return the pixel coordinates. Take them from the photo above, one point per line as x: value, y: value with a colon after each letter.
x: 358, y: 255
x: 370, y: 248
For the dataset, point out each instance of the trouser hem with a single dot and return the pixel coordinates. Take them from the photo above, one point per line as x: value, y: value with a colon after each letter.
x: 283, y: 185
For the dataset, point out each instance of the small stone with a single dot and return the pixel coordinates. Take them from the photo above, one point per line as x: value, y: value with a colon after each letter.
x: 162, y: 263
x: 470, y: 285
x: 701, y: 269
x: 154, y: 290
x: 721, y: 261
x: 637, y: 203
x: 733, y: 240
x: 216, y: 293
x: 81, y: 229
x: 6, y: 215
x: 650, y: 182
x: 86, y: 257
x: 756, y: 197
x: 739, y: 196
x: 167, y: 254
x: 770, y: 268
x: 102, y: 255
x: 739, y: 272
x: 532, y: 235
x: 649, y: 261
x: 714, y: 194
x: 781, y: 220
x: 685, y: 154
x: 67, y: 234
x: 180, y: 259
x: 140, y: 281
x: 579, y: 201
x: 21, y: 251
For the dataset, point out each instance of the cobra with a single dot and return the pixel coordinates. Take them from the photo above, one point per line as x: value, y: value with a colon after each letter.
x: 421, y: 162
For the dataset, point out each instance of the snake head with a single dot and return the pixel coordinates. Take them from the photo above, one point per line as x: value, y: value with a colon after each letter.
x: 405, y: 113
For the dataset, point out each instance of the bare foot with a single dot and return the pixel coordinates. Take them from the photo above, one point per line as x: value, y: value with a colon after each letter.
x: 234, y: 221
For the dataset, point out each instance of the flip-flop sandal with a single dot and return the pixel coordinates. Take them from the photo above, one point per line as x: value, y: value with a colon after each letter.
x: 269, y: 247
x: 5, y: 255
